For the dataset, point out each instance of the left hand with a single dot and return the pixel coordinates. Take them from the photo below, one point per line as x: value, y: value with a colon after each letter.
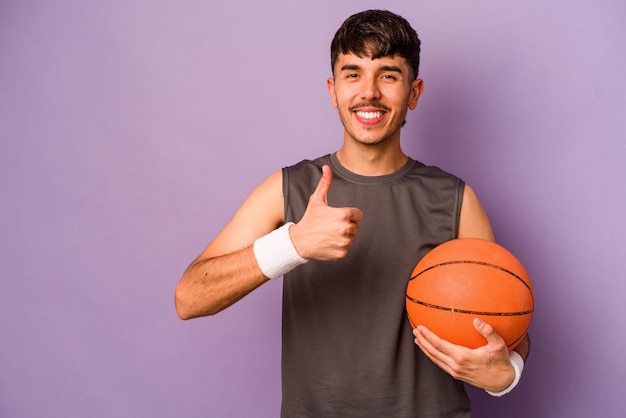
x: 487, y: 367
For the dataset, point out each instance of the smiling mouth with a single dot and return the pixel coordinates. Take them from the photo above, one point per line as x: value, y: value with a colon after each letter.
x: 370, y: 112
x: 369, y: 115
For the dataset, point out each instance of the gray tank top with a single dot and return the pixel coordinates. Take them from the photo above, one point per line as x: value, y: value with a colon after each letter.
x: 348, y: 347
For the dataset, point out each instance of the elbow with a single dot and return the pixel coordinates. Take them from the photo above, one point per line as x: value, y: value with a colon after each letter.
x: 188, y: 308
x: 182, y: 314
x: 183, y: 307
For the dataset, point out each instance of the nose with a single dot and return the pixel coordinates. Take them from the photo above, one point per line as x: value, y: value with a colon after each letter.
x: 369, y: 89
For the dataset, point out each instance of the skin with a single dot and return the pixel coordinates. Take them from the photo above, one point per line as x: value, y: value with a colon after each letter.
x: 372, y: 97
x: 379, y: 87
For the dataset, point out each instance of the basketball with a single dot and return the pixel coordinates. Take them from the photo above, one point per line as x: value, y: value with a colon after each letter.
x: 469, y: 278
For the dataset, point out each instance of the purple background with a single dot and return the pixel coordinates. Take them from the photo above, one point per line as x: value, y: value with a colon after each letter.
x: 131, y: 130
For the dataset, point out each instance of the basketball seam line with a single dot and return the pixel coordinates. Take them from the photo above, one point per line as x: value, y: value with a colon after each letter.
x: 466, y: 311
x: 482, y: 263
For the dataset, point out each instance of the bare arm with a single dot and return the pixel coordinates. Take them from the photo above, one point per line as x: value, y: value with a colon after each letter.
x: 487, y: 367
x: 226, y: 270
x: 473, y: 221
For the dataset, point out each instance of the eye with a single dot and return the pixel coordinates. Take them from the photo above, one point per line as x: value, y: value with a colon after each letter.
x: 389, y: 77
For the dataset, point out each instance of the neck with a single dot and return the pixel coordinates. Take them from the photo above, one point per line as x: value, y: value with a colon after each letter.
x: 372, y: 160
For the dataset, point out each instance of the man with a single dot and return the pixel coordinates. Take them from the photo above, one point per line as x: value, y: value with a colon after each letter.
x: 346, y: 230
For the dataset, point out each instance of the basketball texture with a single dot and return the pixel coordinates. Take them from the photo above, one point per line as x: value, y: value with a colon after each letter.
x: 469, y: 278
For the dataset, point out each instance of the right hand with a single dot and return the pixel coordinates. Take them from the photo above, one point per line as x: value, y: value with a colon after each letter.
x: 324, y: 232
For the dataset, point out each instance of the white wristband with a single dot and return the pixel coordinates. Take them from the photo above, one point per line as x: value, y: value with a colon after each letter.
x: 518, y: 364
x: 276, y: 254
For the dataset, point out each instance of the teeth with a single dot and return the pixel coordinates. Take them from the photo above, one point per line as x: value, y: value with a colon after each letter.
x: 369, y: 115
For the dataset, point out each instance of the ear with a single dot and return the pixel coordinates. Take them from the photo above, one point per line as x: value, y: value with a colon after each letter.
x: 417, y: 88
x: 330, y: 86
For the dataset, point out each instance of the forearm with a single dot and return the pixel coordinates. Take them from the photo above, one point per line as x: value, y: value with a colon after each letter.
x: 211, y: 285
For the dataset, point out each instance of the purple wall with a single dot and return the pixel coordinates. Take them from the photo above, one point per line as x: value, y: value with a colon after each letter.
x: 130, y: 131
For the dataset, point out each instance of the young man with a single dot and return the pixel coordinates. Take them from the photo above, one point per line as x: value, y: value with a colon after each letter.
x: 346, y: 230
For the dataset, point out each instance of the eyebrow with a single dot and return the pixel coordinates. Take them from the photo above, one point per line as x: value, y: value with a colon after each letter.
x: 391, y: 68
x: 352, y: 67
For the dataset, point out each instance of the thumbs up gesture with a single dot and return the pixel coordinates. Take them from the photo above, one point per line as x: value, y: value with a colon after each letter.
x: 325, y: 232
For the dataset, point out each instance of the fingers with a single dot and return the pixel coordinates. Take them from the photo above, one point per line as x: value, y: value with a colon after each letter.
x: 430, y: 341
x: 434, y: 348
x: 321, y: 191
x: 325, y: 232
x: 356, y: 215
x: 424, y: 336
x: 486, y: 367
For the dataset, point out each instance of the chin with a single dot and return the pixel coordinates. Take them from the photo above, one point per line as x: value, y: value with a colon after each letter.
x: 372, y: 142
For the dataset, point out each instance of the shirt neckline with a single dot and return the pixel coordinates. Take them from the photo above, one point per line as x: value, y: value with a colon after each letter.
x: 339, y: 169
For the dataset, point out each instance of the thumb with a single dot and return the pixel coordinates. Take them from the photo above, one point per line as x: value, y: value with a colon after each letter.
x: 321, y: 191
x: 487, y: 331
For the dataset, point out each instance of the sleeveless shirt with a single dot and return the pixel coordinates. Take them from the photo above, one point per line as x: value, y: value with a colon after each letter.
x: 348, y: 348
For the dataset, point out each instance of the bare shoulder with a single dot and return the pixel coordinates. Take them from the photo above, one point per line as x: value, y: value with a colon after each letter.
x: 474, y: 222
x: 260, y: 213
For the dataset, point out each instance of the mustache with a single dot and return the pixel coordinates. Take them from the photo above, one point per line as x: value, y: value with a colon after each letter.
x: 376, y: 105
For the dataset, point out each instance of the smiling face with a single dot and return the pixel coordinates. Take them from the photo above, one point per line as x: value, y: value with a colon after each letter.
x: 372, y: 96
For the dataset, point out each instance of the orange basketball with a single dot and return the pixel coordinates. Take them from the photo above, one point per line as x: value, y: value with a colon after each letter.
x: 469, y: 278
